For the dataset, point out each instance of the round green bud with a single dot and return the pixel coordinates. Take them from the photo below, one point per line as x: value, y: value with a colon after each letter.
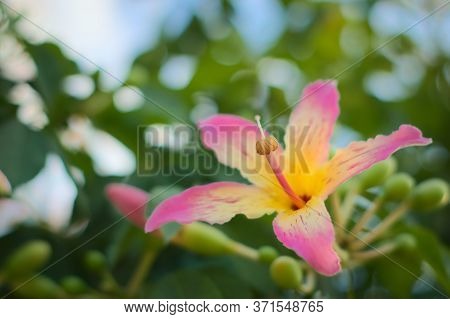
x: 406, y: 241
x: 204, y: 239
x: 377, y: 174
x: 109, y: 285
x: 27, y: 259
x: 95, y: 261
x: 286, y: 272
x: 267, y: 254
x: 41, y: 287
x: 398, y: 187
x: 74, y: 285
x: 430, y: 194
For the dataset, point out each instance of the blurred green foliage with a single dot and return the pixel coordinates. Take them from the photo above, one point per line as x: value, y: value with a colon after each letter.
x: 228, y: 76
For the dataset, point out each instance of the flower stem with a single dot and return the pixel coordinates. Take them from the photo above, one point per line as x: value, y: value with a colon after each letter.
x: 348, y: 204
x: 308, y: 285
x: 337, y: 215
x: 367, y: 255
x: 381, y: 228
x: 244, y: 251
x: 345, y: 212
x: 141, y: 272
x: 367, y: 215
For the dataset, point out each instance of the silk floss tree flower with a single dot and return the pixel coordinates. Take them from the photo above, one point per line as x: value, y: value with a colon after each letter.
x: 293, y: 182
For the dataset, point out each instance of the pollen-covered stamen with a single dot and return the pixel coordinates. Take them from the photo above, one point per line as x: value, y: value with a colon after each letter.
x: 273, y: 143
x: 267, y: 145
x: 262, y: 147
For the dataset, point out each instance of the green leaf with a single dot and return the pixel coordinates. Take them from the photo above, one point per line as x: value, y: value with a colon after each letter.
x: 230, y: 285
x: 7, y: 110
x: 255, y: 275
x: 185, y: 284
x: 52, y: 68
x: 432, y: 252
x: 398, y: 272
x: 23, y: 152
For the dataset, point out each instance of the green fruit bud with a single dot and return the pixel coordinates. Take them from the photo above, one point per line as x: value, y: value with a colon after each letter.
x: 377, y: 174
x: 5, y: 187
x: 267, y: 254
x: 27, y: 259
x: 406, y: 241
x: 398, y: 187
x: 41, y: 287
x: 74, y: 285
x: 95, y: 261
x: 286, y: 272
x: 204, y: 239
x: 430, y: 194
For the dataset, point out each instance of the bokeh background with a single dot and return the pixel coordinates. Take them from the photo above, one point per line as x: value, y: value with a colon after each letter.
x: 77, y: 78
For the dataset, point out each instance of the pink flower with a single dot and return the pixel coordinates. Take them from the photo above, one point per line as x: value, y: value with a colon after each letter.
x: 130, y: 201
x: 293, y: 182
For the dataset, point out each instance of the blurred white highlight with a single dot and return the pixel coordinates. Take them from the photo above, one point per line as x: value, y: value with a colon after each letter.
x: 50, y: 195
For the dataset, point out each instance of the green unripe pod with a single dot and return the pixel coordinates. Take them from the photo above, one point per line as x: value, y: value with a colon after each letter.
x: 406, y: 241
x: 41, y: 287
x: 398, y: 187
x: 27, y: 259
x: 204, y: 239
x: 95, y: 261
x: 267, y: 254
x: 286, y: 272
x: 377, y: 174
x: 74, y: 285
x: 430, y: 194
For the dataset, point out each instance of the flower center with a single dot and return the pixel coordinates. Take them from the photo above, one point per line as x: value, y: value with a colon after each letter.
x: 266, y: 146
x: 305, y: 198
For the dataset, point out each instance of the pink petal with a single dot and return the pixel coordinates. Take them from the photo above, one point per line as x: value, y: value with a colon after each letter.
x: 233, y: 140
x: 214, y: 203
x: 310, y: 127
x: 130, y: 202
x: 359, y: 156
x: 309, y: 232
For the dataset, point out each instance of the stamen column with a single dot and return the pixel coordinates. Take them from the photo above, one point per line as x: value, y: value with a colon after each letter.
x: 266, y: 146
